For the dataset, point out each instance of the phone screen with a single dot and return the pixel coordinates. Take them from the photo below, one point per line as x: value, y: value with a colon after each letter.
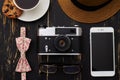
x: 102, y: 51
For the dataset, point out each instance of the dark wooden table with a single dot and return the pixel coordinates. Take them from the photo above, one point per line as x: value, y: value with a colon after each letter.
x: 9, y: 54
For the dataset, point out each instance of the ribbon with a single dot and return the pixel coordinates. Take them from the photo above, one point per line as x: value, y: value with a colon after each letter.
x: 23, y: 44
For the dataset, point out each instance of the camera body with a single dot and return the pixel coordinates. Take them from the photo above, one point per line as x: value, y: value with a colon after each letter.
x: 59, y: 41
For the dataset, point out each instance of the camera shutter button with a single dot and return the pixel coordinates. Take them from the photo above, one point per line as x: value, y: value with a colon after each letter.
x: 46, y: 48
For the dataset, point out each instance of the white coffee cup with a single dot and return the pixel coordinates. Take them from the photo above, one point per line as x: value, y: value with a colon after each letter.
x: 26, y: 5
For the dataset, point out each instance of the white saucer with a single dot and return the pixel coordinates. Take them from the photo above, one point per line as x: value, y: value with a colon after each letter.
x: 36, y: 13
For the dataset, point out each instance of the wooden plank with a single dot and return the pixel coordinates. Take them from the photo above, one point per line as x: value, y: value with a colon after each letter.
x: 9, y: 54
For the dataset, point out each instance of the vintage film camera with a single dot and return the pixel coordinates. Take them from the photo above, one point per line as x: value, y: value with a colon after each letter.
x: 59, y: 41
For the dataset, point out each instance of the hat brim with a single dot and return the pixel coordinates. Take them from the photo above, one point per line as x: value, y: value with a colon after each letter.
x: 89, y: 16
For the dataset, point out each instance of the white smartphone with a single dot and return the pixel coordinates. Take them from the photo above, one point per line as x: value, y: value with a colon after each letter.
x: 102, y: 52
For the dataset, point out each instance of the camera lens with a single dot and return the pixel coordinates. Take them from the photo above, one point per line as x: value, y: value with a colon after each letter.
x: 62, y: 43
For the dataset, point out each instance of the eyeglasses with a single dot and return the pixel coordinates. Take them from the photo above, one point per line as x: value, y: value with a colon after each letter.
x: 67, y: 69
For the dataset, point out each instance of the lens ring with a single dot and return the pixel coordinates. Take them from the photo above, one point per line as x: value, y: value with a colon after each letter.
x: 62, y: 43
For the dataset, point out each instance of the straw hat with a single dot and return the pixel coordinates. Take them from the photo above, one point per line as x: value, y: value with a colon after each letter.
x: 90, y: 11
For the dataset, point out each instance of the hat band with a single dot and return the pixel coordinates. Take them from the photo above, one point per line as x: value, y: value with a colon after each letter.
x: 89, y: 8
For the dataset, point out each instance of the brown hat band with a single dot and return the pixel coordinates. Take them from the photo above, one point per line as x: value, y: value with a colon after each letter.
x: 89, y: 8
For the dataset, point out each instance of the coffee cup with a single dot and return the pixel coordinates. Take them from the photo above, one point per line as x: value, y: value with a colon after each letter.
x: 26, y: 5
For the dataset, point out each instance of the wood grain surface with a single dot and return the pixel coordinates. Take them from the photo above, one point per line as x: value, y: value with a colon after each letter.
x: 9, y: 54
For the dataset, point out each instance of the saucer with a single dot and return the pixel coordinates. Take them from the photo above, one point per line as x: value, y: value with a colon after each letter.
x: 37, y: 13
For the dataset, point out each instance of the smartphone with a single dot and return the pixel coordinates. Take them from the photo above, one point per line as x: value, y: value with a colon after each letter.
x: 102, y: 52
